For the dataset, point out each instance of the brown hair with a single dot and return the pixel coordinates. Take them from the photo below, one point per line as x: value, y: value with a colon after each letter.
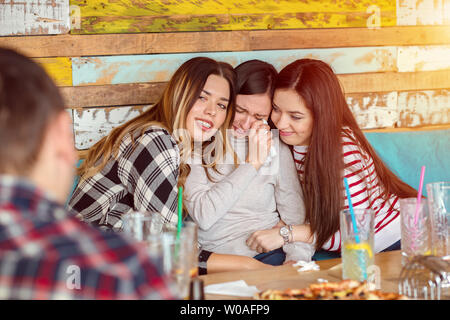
x: 319, y: 87
x: 169, y: 112
x: 255, y: 77
x: 29, y: 100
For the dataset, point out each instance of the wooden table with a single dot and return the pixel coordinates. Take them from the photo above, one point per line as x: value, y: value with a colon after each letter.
x: 287, y: 276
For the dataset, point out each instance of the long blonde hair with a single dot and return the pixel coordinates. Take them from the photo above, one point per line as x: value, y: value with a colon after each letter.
x: 170, y: 113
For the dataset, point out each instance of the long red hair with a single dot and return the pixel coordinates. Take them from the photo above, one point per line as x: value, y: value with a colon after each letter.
x: 316, y: 83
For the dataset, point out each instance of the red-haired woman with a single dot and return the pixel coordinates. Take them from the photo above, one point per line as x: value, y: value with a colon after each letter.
x: 310, y: 110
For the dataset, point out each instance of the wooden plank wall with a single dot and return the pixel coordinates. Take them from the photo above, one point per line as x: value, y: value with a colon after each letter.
x: 33, y: 17
x: 392, y: 57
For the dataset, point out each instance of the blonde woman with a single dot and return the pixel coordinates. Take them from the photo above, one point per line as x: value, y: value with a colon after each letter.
x: 140, y: 164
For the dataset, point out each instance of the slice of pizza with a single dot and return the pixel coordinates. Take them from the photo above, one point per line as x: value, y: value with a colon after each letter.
x: 344, y: 290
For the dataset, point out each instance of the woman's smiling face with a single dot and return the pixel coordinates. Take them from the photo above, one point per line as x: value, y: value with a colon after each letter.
x: 210, y: 110
x: 292, y: 118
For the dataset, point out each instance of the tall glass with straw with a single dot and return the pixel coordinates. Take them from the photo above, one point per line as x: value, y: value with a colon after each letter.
x: 190, y: 230
x: 439, y: 205
x: 186, y: 249
x: 415, y: 225
x: 356, y: 241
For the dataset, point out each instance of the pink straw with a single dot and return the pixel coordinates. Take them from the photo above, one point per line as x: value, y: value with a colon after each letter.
x: 419, y: 194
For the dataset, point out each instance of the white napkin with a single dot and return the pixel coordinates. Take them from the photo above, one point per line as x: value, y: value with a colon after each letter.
x: 306, y: 266
x: 273, y: 152
x: 233, y: 288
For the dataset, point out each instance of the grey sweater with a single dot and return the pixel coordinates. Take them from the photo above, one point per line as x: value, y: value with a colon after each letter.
x: 242, y: 200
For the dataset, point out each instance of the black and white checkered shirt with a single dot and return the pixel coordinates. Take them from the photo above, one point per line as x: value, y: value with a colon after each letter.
x: 141, y: 178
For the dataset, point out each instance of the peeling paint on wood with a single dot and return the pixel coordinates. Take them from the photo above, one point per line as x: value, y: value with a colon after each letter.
x: 148, y: 93
x: 371, y: 110
x: 34, y: 17
x: 59, y: 69
x: 420, y: 108
x: 70, y: 112
x: 423, y: 12
x: 90, y: 125
x: 374, y: 110
x: 395, y: 81
x: 160, y: 67
x: 429, y: 58
x: 111, y: 16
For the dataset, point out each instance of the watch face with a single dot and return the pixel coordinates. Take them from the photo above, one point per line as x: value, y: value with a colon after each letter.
x: 284, y: 231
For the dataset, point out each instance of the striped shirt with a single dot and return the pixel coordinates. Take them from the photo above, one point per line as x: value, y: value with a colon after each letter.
x: 365, y: 191
x: 144, y: 176
x: 45, y: 253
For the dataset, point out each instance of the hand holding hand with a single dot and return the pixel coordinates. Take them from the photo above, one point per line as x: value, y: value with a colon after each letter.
x: 265, y: 240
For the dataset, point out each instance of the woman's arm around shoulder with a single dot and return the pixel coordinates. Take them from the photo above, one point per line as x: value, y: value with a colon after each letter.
x: 207, y: 201
x: 288, y: 191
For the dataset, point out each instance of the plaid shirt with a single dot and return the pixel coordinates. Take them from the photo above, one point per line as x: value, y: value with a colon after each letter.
x: 143, y: 177
x: 47, y: 254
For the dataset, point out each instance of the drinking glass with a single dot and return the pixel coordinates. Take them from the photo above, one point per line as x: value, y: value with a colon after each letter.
x: 174, y: 253
x: 357, y: 247
x: 179, y: 254
x: 415, y: 231
x: 141, y: 225
x: 439, y: 205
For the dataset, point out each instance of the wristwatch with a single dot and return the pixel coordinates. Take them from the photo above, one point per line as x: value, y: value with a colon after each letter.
x: 285, y: 232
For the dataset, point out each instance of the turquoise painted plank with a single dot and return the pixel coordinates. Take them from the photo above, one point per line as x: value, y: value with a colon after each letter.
x: 160, y: 67
x: 430, y: 149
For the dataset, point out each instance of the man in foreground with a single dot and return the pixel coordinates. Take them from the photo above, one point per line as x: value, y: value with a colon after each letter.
x: 45, y: 253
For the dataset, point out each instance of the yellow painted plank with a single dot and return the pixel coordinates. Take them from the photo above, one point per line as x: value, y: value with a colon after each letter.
x: 59, y: 69
x: 204, y: 7
x: 111, y: 16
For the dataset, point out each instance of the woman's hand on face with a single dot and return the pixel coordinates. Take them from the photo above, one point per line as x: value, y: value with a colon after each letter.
x: 259, y: 143
x: 265, y: 240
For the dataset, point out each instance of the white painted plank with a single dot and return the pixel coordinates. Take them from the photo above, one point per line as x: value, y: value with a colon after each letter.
x: 446, y: 10
x: 70, y: 112
x: 374, y: 110
x: 406, y: 13
x: 430, y: 107
x: 34, y: 17
x: 422, y: 12
x: 371, y: 110
x: 91, y: 124
x: 423, y: 58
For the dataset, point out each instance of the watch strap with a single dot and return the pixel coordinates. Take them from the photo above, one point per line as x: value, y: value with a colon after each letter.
x: 291, y: 235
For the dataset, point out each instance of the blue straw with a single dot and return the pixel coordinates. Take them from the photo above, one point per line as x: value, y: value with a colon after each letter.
x: 352, y: 213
